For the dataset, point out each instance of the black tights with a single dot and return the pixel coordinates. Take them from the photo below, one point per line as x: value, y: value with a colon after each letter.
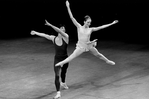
x: 57, y: 75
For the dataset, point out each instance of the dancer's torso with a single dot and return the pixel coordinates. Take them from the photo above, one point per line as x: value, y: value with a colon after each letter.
x: 84, y: 34
x: 61, y: 49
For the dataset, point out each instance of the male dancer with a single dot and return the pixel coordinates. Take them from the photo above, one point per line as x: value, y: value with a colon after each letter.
x: 60, y: 42
x: 84, y: 44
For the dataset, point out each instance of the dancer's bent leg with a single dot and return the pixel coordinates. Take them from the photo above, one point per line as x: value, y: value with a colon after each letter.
x: 77, y: 52
x: 63, y: 72
x: 63, y: 76
x: 95, y: 52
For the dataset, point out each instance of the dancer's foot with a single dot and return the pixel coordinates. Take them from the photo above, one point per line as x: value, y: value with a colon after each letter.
x: 59, y: 64
x: 58, y: 95
x: 64, y: 85
x: 110, y: 62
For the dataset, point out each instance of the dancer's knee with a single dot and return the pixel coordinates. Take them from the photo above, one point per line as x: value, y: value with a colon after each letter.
x: 57, y: 75
x: 63, y: 72
x: 96, y: 54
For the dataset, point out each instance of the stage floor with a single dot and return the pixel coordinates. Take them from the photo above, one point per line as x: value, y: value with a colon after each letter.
x: 26, y: 71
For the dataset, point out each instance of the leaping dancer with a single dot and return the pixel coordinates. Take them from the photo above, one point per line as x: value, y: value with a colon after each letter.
x: 84, y: 44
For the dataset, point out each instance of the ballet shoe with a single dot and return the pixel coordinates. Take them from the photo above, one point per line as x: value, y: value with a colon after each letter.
x: 64, y: 85
x: 58, y: 96
x: 110, y: 62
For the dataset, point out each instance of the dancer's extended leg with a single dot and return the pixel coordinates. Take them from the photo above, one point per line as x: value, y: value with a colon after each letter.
x: 57, y: 76
x: 77, y: 52
x: 57, y: 82
x: 95, y: 52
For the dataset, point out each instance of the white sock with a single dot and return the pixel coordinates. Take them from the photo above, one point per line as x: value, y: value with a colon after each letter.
x: 58, y: 92
x: 58, y: 95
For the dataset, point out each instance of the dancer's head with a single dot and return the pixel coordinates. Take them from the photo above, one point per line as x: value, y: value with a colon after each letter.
x: 62, y: 27
x: 87, y: 21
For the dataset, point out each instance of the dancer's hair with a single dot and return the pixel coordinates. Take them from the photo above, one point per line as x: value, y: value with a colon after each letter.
x: 62, y: 25
x: 87, y: 17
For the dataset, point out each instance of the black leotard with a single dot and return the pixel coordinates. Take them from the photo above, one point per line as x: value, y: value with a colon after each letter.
x: 60, y: 55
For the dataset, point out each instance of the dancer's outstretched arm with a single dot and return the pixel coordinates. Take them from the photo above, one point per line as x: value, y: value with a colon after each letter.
x: 49, y: 37
x: 104, y: 26
x: 57, y: 29
x: 71, y: 16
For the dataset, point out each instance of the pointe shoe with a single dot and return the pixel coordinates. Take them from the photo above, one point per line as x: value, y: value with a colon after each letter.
x: 58, y: 96
x: 110, y: 62
x: 64, y: 85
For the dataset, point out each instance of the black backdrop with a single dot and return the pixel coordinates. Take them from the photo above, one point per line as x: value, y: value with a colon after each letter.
x: 19, y: 17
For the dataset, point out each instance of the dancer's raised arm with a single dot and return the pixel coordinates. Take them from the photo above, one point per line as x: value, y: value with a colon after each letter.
x: 49, y: 37
x: 57, y: 29
x: 104, y: 26
x: 71, y: 16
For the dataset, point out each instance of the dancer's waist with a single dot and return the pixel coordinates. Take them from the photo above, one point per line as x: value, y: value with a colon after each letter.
x: 61, y: 55
x: 85, y: 43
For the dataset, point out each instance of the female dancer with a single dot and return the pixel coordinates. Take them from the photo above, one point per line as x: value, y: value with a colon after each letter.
x: 84, y: 44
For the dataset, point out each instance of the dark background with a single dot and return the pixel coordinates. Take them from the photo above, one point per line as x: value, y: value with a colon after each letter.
x: 19, y: 17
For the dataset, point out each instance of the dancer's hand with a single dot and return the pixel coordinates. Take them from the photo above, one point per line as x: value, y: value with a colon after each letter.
x: 58, y: 64
x: 67, y: 3
x: 33, y: 32
x: 47, y: 23
x: 92, y: 41
x: 114, y: 22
